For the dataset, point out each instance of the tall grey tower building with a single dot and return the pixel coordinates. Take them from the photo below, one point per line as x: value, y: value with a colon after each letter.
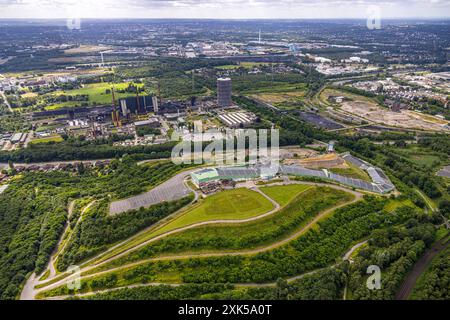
x: 224, y: 92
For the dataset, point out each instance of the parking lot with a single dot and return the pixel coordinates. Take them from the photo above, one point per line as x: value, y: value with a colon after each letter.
x: 172, y: 189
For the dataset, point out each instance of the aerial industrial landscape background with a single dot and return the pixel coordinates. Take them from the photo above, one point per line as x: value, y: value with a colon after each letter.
x: 183, y: 158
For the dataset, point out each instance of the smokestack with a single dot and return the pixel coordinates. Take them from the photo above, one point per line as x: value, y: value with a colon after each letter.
x: 113, y: 97
x: 138, y: 102
x: 116, y: 115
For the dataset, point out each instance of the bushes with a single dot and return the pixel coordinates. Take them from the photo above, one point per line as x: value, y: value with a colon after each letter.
x: 31, y: 220
x: 33, y: 212
x: 163, y: 292
x: 317, y: 248
x: 87, y: 150
x: 97, y: 229
x: 327, y: 284
x: 394, y: 250
x: 247, y: 235
x: 434, y: 284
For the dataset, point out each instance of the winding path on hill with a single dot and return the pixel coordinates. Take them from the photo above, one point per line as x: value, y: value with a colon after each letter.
x: 29, y: 291
x: 254, y: 285
x: 357, y: 197
x: 61, y: 250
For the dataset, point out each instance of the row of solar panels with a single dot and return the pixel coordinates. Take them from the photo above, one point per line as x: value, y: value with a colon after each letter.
x: 376, y: 174
x: 356, y: 183
x: 382, y: 183
x: 300, y: 171
x: 353, y: 160
x: 236, y: 172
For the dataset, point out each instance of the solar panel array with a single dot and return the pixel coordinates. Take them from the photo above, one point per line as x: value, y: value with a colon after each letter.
x: 353, y: 160
x: 300, y: 171
x: 373, y: 173
x: 238, y: 172
x: 356, y: 183
x: 170, y: 190
x: 381, y: 174
x: 380, y: 184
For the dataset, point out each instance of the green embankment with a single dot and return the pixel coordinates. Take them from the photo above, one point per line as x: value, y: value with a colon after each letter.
x: 284, y: 194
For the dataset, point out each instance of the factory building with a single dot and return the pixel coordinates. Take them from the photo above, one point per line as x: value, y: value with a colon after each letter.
x: 151, y: 122
x: 135, y: 105
x: 236, y: 119
x: 205, y: 176
x: 224, y: 92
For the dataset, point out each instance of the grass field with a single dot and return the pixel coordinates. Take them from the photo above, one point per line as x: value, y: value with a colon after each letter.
x: 251, y: 65
x: 96, y: 92
x: 252, y: 234
x: 49, y: 127
x: 227, y: 67
x: 392, y: 205
x: 280, y: 97
x: 304, y: 206
x: 327, y: 92
x: 68, y: 104
x: 424, y: 159
x: 55, y: 138
x: 228, y: 205
x: 352, y: 171
x: 284, y: 194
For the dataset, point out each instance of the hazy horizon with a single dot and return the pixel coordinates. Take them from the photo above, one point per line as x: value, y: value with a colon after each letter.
x: 224, y: 9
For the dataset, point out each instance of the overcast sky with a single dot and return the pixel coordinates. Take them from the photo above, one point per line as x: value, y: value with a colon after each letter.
x: 222, y: 9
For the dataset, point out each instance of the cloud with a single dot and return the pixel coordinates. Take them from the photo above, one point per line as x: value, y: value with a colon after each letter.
x: 221, y: 8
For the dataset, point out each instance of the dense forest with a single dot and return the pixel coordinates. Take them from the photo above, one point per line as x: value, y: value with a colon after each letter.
x: 394, y: 249
x: 97, y: 229
x: 326, y: 284
x: 434, y: 284
x: 34, y: 209
x: 317, y: 248
x: 83, y: 150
